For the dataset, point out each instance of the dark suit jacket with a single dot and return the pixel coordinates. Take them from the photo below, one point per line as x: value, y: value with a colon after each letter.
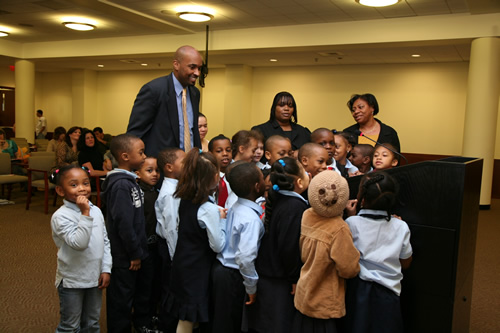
x: 298, y: 136
x: 155, y: 119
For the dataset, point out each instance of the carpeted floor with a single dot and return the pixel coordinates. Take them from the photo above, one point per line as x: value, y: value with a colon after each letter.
x: 28, y: 261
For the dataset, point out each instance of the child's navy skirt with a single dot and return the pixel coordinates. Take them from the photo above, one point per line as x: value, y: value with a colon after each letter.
x: 371, y: 307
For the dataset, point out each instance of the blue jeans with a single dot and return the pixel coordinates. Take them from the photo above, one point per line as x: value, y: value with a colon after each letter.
x: 80, y: 309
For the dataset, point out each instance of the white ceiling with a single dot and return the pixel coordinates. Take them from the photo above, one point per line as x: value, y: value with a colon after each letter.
x: 33, y: 21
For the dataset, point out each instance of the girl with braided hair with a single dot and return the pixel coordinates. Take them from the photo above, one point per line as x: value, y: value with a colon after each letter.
x: 372, y: 298
x: 278, y: 261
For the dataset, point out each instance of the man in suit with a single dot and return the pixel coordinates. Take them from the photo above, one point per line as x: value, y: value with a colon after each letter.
x: 159, y: 112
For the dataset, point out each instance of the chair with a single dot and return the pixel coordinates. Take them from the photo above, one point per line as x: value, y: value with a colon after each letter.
x: 97, y: 192
x: 41, y: 144
x: 38, y: 176
x: 6, y: 176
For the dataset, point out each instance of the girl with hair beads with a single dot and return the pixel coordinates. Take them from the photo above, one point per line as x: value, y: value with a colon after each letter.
x: 84, y: 255
x: 278, y: 262
x: 372, y: 298
x: 201, y: 235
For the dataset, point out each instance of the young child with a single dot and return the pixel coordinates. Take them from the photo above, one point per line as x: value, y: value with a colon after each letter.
x: 277, y: 147
x: 221, y: 148
x: 129, y: 288
x: 361, y: 158
x: 328, y: 254
x: 259, y: 152
x: 313, y: 158
x: 170, y: 160
x: 233, y: 273
x: 201, y: 235
x: 244, y: 144
x: 383, y: 158
x: 342, y: 149
x: 84, y: 256
x: 278, y: 262
x: 325, y: 137
x: 148, y: 177
x: 372, y: 299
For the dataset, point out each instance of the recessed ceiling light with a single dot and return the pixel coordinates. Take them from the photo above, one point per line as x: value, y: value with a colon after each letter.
x: 79, y: 26
x: 415, y: 55
x: 195, y: 13
x: 377, y: 3
x: 144, y: 65
x: 101, y: 66
x: 3, y: 34
x: 273, y: 60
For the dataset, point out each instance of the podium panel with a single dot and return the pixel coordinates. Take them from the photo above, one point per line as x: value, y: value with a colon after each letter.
x: 440, y: 202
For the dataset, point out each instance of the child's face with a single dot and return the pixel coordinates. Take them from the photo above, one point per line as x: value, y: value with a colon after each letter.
x: 302, y: 182
x: 327, y: 140
x: 356, y: 158
x: 202, y: 127
x: 258, y: 152
x: 262, y: 186
x: 280, y: 149
x: 136, y: 156
x: 178, y: 164
x: 383, y: 159
x: 149, y: 172
x: 342, y: 147
x: 222, y: 152
x: 246, y: 153
x: 75, y: 183
x: 316, y: 162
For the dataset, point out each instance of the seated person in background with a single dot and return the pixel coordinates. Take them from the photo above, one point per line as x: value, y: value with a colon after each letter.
x: 244, y: 144
x: 89, y: 155
x: 324, y: 137
x: 67, y: 151
x: 342, y: 149
x: 59, y: 135
x: 384, y: 158
x: 313, y: 158
x: 277, y: 147
x: 103, y: 140
x: 361, y: 158
x: 9, y: 146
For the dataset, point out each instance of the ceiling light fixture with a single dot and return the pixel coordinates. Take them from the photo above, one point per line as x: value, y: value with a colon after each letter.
x: 377, y: 3
x: 195, y: 13
x: 79, y: 26
x: 195, y: 17
x: 3, y: 34
x: 273, y: 60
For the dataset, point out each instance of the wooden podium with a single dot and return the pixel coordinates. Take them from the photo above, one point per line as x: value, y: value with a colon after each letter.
x: 440, y: 202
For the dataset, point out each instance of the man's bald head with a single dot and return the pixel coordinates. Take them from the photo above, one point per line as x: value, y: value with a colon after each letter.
x: 187, y: 65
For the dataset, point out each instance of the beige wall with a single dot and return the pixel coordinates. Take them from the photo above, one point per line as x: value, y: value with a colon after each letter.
x: 425, y: 103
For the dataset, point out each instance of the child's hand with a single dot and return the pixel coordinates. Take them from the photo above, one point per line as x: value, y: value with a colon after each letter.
x: 83, y: 203
x: 223, y: 213
x: 104, y: 280
x: 251, y: 299
x: 294, y: 287
x: 355, y: 173
x: 351, y: 207
x: 396, y: 216
x: 135, y: 265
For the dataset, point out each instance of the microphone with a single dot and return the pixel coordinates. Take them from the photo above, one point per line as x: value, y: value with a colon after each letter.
x: 359, y: 133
